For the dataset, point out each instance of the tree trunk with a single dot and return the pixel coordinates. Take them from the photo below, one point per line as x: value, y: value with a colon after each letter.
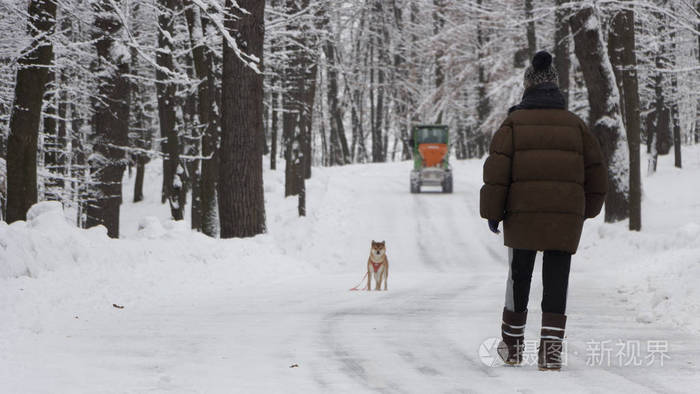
x: 77, y: 167
x: 111, y: 120
x: 484, y: 106
x: 621, y: 47
x: 438, y: 24
x: 310, y: 94
x: 675, y: 111
x: 376, y: 140
x: 50, y: 145
x: 198, y: 48
x: 300, y: 91
x: 531, y: 36
x: 140, y: 128
x: 30, y: 86
x: 210, y: 140
x: 193, y: 147
x: 241, y: 200
x: 604, y: 100
x: 402, y: 74
x: 292, y: 108
x: 274, y: 105
x: 358, y: 150
x: 660, y: 118
x: 289, y: 124
x: 274, y: 124
x: 339, y: 152
x: 697, y: 107
x: 166, y: 89
x: 61, y: 139
x: 562, y: 60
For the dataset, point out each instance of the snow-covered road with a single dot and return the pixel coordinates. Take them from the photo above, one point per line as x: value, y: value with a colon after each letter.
x: 307, y: 333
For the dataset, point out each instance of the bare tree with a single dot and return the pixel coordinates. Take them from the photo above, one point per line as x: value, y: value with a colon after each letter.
x: 621, y: 49
x: 339, y: 151
x: 562, y: 56
x: 530, y: 30
x: 675, y: 112
x: 240, y: 187
x: 111, y: 118
x: 30, y: 86
x: 604, y: 101
x: 141, y: 132
x: 173, y: 172
x: 484, y: 106
x: 299, y: 76
x: 207, y: 117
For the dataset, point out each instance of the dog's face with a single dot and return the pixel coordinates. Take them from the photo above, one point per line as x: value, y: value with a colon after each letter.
x: 378, y: 249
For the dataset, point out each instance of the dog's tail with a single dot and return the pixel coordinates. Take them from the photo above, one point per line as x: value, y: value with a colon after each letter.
x: 359, y: 284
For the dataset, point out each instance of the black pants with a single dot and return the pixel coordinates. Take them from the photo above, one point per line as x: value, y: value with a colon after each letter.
x: 555, y: 280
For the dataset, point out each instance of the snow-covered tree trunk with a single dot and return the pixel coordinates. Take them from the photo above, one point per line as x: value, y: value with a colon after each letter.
x: 530, y: 30
x: 675, y: 107
x: 299, y: 92
x: 201, y: 71
x: 274, y: 97
x: 111, y: 118
x: 484, y: 106
x: 438, y: 25
x: 240, y: 187
x: 621, y: 49
x: 274, y: 122
x: 30, y: 86
x: 141, y: 131
x: 210, y: 140
x: 604, y: 101
x: 339, y: 152
x: 173, y: 190
x: 379, y: 60
x: 562, y: 57
x: 401, y: 96
x: 50, y: 147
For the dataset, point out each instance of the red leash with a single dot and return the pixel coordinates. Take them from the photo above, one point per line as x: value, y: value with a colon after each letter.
x: 358, y: 285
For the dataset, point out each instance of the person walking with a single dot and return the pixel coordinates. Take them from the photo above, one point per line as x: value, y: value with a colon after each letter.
x: 544, y: 176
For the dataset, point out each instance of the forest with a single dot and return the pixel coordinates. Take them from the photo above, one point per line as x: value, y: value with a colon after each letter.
x: 91, y: 90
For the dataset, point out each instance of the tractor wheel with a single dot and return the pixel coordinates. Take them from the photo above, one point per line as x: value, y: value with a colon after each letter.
x: 414, y: 181
x: 447, y: 184
x: 415, y: 187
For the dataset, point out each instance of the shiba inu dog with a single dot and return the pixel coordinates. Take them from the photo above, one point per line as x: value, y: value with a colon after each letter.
x: 377, y: 265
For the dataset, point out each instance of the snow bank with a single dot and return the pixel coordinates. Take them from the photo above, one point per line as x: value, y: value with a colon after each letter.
x: 45, y: 241
x: 655, y: 272
x: 51, y: 256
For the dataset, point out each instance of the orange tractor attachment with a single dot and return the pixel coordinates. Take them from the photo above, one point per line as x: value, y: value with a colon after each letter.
x: 431, y: 152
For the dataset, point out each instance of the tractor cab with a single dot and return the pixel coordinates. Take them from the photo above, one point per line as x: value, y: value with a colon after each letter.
x: 430, y: 157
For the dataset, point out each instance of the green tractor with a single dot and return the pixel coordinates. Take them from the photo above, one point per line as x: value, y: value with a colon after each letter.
x: 431, y: 154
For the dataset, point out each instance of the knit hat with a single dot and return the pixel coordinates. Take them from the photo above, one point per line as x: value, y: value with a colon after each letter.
x: 541, y: 70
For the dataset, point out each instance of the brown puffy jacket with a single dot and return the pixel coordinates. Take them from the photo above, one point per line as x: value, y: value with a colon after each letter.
x: 544, y: 176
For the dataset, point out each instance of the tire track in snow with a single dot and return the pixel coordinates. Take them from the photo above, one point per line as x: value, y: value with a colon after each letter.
x: 408, y: 319
x: 426, y: 230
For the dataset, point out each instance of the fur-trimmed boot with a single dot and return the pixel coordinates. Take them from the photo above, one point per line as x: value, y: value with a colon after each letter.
x: 549, y: 356
x: 513, y: 333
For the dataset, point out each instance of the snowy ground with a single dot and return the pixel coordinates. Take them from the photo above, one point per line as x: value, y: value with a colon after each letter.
x: 205, y: 316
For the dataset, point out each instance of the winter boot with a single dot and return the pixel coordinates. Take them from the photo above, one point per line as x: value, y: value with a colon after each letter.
x: 549, y: 356
x: 513, y: 333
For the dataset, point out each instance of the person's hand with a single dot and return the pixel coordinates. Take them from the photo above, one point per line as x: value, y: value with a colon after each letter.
x: 493, y: 226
